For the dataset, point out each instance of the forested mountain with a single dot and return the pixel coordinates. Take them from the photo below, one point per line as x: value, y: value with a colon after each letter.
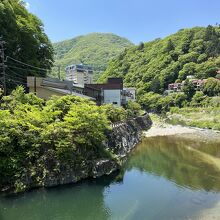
x: 95, y: 49
x: 25, y: 40
x: 151, y: 66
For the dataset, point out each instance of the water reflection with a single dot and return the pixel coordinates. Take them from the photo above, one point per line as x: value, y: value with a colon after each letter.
x: 165, y: 178
x: 78, y: 201
x: 188, y: 163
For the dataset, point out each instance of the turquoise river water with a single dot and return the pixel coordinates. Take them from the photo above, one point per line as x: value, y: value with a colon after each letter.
x: 165, y: 178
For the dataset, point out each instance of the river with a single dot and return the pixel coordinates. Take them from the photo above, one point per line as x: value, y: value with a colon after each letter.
x: 165, y: 178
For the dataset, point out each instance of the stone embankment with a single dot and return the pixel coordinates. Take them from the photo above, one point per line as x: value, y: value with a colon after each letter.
x: 120, y: 141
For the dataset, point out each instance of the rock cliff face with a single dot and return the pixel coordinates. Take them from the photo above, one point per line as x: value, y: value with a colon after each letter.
x: 124, y: 136
x: 120, y: 141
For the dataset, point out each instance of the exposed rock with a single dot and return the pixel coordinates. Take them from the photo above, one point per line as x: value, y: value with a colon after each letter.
x: 124, y: 137
x: 104, y: 167
x: 120, y: 141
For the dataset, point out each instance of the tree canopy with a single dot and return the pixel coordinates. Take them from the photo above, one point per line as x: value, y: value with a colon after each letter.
x: 95, y: 49
x: 37, y: 136
x: 152, y: 66
x: 25, y: 40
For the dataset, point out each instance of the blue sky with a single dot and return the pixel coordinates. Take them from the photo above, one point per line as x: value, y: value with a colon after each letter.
x: 137, y: 20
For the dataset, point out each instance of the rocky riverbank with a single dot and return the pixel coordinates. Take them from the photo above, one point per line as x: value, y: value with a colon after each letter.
x: 119, y: 142
x: 161, y: 128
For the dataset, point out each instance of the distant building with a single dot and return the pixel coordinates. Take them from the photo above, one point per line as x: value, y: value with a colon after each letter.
x: 129, y: 94
x: 190, y: 77
x: 45, y: 88
x: 198, y: 83
x: 79, y: 74
x: 177, y: 87
x: 111, y: 92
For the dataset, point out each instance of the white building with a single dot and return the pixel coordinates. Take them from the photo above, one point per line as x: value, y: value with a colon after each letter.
x: 79, y: 74
x: 112, y: 97
x: 111, y: 92
x: 129, y: 94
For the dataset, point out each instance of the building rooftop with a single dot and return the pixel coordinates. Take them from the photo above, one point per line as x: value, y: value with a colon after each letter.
x: 82, y: 67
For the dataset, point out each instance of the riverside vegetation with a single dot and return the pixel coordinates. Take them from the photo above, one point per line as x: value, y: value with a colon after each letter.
x: 151, y: 66
x: 26, y: 41
x: 37, y: 137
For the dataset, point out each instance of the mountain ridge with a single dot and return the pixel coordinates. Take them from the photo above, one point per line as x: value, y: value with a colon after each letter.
x: 95, y: 49
x: 151, y: 66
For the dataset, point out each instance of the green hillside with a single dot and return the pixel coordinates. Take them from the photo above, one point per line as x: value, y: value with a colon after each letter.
x: 95, y: 49
x: 150, y: 67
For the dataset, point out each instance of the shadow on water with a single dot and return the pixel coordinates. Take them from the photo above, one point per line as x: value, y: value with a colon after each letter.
x: 84, y: 200
x: 188, y: 163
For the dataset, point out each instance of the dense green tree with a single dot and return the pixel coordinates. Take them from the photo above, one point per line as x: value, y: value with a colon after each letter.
x: 192, y: 51
x: 170, y: 46
x: 155, y: 85
x: 188, y: 69
x: 133, y: 108
x: 187, y: 42
x: 25, y: 41
x: 141, y: 46
x: 212, y: 41
x: 199, y: 99
x: 38, y: 137
x: 188, y: 89
x: 151, y: 102
x: 212, y: 87
x: 179, y: 99
x: 95, y: 49
x: 114, y: 114
x: 164, y: 104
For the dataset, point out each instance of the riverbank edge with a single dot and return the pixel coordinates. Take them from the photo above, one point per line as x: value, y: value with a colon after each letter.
x: 201, y: 117
x: 162, y: 127
x: 121, y: 140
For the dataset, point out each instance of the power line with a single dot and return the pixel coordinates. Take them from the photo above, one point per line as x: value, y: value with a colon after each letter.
x: 19, y: 68
x: 15, y: 77
x: 14, y: 73
x: 18, y: 81
x: 25, y: 63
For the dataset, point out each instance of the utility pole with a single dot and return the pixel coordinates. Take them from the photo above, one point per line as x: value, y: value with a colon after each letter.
x: 2, y: 65
x: 59, y: 67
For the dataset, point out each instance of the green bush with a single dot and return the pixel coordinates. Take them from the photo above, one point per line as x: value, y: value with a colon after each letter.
x: 133, y: 109
x: 202, y: 117
x: 37, y: 137
x: 114, y: 114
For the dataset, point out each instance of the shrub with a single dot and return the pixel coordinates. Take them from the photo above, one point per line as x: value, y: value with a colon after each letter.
x: 38, y: 137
